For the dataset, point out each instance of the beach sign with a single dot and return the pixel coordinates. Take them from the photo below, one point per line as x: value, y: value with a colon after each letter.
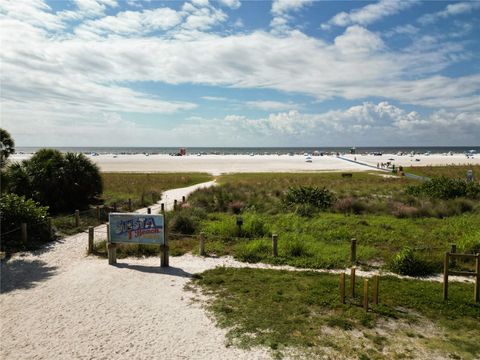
x: 133, y: 228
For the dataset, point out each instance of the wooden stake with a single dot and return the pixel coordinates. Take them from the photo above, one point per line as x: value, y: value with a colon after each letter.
x: 353, y: 251
x: 112, y: 253
x: 202, y: 244
x: 375, y: 291
x: 90, y: 239
x: 342, y: 288
x: 129, y: 204
x: 352, y: 282
x: 164, y: 253
x: 275, y: 245
x: 183, y: 199
x: 365, y: 294
x: 477, y: 279
x: 445, y: 276
x: 23, y: 232
x: 162, y: 208
x: 77, y: 218
x: 175, y: 205
x: 149, y: 210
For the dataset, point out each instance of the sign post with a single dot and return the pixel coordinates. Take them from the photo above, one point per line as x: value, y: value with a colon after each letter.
x: 133, y: 228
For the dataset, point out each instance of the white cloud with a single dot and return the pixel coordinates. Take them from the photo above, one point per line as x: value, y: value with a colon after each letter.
x: 450, y: 10
x: 132, y: 23
x: 281, y: 10
x: 365, y: 124
x: 268, y: 105
x: 215, y: 98
x: 369, y: 13
x: 33, y: 12
x: 232, y: 4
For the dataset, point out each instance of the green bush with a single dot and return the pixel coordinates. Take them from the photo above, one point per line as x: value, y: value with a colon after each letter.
x: 61, y: 182
x: 317, y: 197
x: 15, y: 210
x: 407, y: 262
x: 445, y: 188
x: 186, y: 220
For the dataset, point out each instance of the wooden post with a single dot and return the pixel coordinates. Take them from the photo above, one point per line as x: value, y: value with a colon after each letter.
x: 477, y: 279
x: 149, y: 210
x: 23, y: 232
x: 111, y: 249
x: 352, y: 282
x: 445, y: 276
x: 183, y: 199
x: 375, y: 291
x: 353, y: 251
x: 129, y: 204
x: 365, y: 294
x: 77, y: 218
x: 453, y: 250
x: 162, y: 208
x: 98, y: 213
x: 90, y: 239
x: 275, y: 245
x: 112, y: 253
x: 342, y: 288
x: 202, y: 244
x: 164, y: 259
x: 175, y: 205
x: 114, y: 207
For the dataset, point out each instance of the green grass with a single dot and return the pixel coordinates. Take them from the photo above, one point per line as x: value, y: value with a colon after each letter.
x: 281, y: 309
x: 324, y: 240
x: 457, y: 171
x: 119, y: 187
x: 361, y: 183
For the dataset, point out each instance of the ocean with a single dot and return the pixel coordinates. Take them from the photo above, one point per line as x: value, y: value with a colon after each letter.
x: 255, y: 150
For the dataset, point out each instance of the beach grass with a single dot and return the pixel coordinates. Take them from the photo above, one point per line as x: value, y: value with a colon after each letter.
x: 453, y: 171
x: 119, y: 187
x: 286, y: 310
x: 324, y: 240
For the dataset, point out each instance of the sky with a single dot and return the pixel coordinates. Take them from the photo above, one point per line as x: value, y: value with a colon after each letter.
x: 240, y: 73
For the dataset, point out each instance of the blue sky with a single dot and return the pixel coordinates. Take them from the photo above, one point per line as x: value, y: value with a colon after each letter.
x: 240, y: 73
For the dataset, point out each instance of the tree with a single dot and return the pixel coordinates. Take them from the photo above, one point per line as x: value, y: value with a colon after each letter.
x: 82, y: 180
x: 7, y: 146
x: 62, y: 182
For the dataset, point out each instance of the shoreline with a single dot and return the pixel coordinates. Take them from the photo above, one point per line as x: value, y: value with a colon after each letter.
x: 225, y: 164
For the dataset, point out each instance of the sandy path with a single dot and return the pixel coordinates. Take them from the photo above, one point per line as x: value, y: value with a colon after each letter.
x: 58, y: 303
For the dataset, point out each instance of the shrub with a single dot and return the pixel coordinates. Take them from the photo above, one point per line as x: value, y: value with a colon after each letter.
x: 15, y: 210
x: 445, y: 188
x: 320, y: 198
x: 404, y: 211
x: 186, y: 220
x: 407, y: 262
x: 61, y: 182
x: 296, y: 248
x: 350, y: 205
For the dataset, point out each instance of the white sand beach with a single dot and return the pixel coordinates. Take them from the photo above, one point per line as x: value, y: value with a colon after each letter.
x: 220, y: 164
